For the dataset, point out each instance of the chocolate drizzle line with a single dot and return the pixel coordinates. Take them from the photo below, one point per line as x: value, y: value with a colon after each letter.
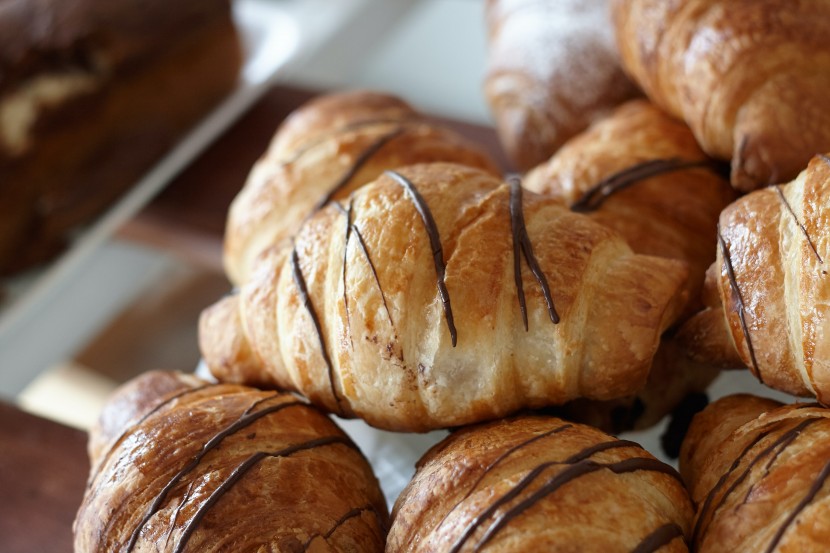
x: 342, y: 520
x: 784, y: 442
x: 529, y: 478
x: 137, y: 423
x: 241, y: 470
x: 302, y: 288
x: 733, y: 283
x: 660, y: 537
x: 435, y: 241
x: 786, y: 438
x: 246, y: 419
x: 355, y: 125
x: 572, y: 473
x: 722, y: 482
x: 358, y: 163
x: 797, y: 222
x: 811, y: 494
x: 595, y: 196
x: 184, y: 500
x: 352, y: 228
x: 521, y: 241
x: 498, y: 460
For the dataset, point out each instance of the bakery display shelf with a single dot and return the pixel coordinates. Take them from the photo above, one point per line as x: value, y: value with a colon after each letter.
x: 44, y: 300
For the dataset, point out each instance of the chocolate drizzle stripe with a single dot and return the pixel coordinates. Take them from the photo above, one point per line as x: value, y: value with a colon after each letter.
x: 595, y: 196
x: 365, y: 156
x: 351, y: 228
x: 498, y: 460
x: 340, y: 522
x: 710, y: 497
x: 566, y: 476
x: 245, y: 420
x: 784, y: 442
x: 356, y: 125
x: 302, y: 288
x: 521, y: 241
x: 785, y: 438
x: 811, y: 494
x: 797, y: 222
x: 240, y: 471
x: 184, y: 500
x: 733, y: 283
x: 138, y: 423
x: 528, y: 479
x: 435, y: 242
x: 664, y: 535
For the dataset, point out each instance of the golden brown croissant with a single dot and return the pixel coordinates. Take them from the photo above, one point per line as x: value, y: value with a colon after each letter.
x: 323, y: 151
x: 750, y: 77
x: 439, y: 296
x: 540, y: 484
x: 552, y: 70
x: 641, y: 173
x: 757, y: 472
x: 179, y: 464
x: 768, y: 293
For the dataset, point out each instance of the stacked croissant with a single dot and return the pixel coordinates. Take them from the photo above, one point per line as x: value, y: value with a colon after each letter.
x: 384, y: 270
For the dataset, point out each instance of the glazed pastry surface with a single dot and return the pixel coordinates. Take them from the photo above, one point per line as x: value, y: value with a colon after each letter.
x: 768, y: 293
x: 180, y: 465
x: 540, y: 484
x: 324, y: 150
x: 758, y: 472
x: 748, y: 76
x: 439, y: 295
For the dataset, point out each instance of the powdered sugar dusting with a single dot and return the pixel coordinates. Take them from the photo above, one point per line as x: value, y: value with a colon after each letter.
x: 551, y: 37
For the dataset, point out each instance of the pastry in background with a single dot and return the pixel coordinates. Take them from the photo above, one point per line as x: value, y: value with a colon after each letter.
x: 641, y: 173
x: 768, y: 292
x: 92, y: 93
x: 179, y: 464
x: 552, y: 69
x: 540, y: 484
x: 322, y: 152
x: 757, y: 472
x: 750, y: 77
x: 439, y: 295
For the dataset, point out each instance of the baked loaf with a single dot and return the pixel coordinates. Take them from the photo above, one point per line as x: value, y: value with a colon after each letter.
x: 322, y: 152
x: 437, y: 296
x: 641, y: 173
x: 92, y: 92
x: 749, y: 77
x: 182, y: 465
x: 540, y: 484
x: 552, y: 69
x: 768, y: 293
x: 757, y: 472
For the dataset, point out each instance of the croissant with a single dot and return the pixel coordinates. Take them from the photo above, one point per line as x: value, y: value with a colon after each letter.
x: 768, y: 293
x: 540, y: 484
x: 748, y: 76
x: 179, y: 464
x: 757, y: 472
x: 439, y: 296
x: 641, y: 173
x: 323, y: 151
x: 552, y: 69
